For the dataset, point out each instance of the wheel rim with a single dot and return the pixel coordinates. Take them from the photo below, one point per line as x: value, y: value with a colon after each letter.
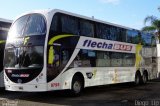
x: 77, y: 87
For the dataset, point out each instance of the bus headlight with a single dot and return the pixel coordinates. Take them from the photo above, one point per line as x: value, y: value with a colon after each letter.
x: 39, y: 77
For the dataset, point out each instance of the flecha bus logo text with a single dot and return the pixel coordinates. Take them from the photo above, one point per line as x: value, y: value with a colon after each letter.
x: 105, y: 45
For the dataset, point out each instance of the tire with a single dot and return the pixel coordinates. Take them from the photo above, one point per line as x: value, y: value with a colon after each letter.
x: 144, y: 78
x: 138, y: 79
x: 77, y: 86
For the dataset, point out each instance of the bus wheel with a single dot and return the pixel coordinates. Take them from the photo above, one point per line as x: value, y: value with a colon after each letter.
x: 138, y: 78
x: 77, y: 86
x: 145, y: 77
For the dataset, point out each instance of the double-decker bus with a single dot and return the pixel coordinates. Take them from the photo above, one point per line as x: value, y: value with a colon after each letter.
x: 56, y: 50
x: 4, y: 27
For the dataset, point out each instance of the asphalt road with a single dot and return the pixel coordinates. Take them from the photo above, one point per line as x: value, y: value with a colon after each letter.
x: 111, y: 95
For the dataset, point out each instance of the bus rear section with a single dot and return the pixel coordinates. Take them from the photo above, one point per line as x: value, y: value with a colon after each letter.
x: 4, y: 27
x: 2, y: 45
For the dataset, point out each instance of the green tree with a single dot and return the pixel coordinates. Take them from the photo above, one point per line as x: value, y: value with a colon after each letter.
x: 154, y: 25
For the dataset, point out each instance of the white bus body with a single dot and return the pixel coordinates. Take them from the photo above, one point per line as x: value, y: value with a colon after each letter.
x: 70, y: 61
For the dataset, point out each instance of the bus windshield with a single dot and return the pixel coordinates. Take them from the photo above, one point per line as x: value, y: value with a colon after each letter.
x: 24, y: 57
x: 28, y: 25
x: 25, y: 42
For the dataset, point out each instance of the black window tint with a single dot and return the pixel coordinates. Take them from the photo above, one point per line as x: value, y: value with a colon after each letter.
x: 146, y: 39
x: 1, y: 55
x: 86, y: 28
x: 103, y: 31
x: 129, y: 36
x: 110, y: 32
x: 117, y: 34
x: 113, y: 32
x: 69, y: 24
x: 133, y: 36
x: 5, y: 24
x: 62, y: 50
x: 65, y: 57
x: 54, y: 25
x: 35, y: 26
x: 67, y: 46
x: 122, y: 35
x: 3, y: 35
x: 136, y: 37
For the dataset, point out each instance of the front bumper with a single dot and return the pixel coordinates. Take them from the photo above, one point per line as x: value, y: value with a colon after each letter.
x: 26, y: 87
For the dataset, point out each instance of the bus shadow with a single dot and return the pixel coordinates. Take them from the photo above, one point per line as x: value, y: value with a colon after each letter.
x: 88, y: 96
x: 2, y: 91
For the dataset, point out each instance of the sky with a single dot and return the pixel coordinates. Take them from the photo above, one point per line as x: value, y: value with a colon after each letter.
x: 129, y: 13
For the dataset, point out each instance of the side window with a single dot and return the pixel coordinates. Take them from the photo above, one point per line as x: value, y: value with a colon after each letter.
x: 118, y: 34
x: 103, y: 59
x: 129, y: 36
x: 133, y: 37
x: 116, y: 59
x: 1, y: 56
x: 128, y: 60
x: 85, y: 58
x: 65, y: 56
x: 146, y: 39
x: 67, y: 45
x: 122, y: 35
x: 54, y: 28
x: 86, y: 28
x: 136, y: 37
x: 113, y: 32
x: 64, y: 24
x: 103, y: 31
x: 69, y: 25
x: 110, y: 32
x: 3, y: 35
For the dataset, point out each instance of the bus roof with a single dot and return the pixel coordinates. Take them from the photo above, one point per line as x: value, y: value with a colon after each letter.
x: 90, y: 18
x: 53, y: 11
x: 5, y: 20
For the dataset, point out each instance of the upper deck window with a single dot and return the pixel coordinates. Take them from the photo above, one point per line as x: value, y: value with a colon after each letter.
x: 64, y: 24
x: 28, y: 25
x: 35, y: 25
x: 86, y: 28
x: 69, y: 24
x: 18, y: 27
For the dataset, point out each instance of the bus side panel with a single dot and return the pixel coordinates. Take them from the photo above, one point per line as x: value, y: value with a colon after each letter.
x: 94, y: 77
x: 2, y: 79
